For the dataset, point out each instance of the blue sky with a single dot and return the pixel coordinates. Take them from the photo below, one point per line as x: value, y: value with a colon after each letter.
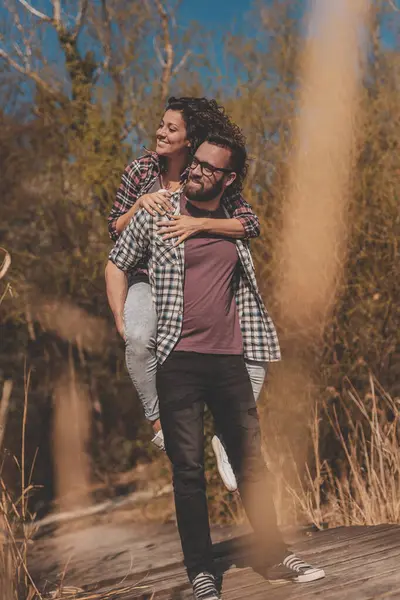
x: 216, y: 13
x: 216, y: 17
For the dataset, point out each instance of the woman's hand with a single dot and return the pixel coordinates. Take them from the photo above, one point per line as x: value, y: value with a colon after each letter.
x: 181, y: 227
x: 157, y: 202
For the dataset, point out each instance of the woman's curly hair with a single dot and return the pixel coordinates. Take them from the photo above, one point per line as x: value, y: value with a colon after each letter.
x: 204, y: 118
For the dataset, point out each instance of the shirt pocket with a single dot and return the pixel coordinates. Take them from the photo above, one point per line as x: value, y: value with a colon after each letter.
x: 164, y: 253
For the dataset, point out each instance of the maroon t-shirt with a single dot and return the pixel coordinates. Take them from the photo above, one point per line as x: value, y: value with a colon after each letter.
x: 210, y: 317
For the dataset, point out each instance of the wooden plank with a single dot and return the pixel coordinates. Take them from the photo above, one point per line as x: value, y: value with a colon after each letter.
x: 361, y: 564
x: 363, y: 549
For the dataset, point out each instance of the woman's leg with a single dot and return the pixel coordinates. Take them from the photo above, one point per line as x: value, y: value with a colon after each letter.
x: 257, y: 372
x: 140, y: 322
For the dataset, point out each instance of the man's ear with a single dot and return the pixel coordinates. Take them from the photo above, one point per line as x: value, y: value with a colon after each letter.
x: 230, y: 179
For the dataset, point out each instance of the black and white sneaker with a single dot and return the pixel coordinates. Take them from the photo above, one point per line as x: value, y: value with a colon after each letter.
x: 304, y: 573
x: 292, y: 568
x: 205, y: 587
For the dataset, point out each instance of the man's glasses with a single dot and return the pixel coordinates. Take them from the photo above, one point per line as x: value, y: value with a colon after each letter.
x: 207, y: 169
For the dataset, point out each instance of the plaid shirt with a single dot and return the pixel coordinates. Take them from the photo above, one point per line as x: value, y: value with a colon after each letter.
x: 138, y: 178
x: 166, y: 266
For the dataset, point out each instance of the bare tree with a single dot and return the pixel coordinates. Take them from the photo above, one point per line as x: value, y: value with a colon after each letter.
x: 166, y: 55
x: 24, y: 58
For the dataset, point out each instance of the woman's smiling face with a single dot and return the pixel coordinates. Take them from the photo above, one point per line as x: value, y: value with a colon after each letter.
x: 171, y: 134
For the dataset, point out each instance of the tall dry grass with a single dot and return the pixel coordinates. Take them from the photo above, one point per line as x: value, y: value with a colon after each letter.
x: 15, y: 579
x: 360, y: 484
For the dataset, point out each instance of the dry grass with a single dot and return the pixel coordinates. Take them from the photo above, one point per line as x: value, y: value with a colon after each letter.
x: 365, y: 488
x: 15, y: 579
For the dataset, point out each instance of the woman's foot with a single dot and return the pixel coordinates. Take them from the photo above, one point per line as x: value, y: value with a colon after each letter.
x: 224, y: 466
x: 158, y: 440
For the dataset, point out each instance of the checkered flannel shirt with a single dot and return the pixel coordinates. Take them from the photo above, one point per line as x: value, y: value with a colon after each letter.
x: 166, y: 266
x: 138, y: 178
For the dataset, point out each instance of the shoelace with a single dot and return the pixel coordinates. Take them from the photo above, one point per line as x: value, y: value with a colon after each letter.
x: 296, y: 564
x: 204, y: 586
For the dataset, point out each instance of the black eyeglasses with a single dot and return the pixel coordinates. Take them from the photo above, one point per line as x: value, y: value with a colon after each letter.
x: 206, y: 168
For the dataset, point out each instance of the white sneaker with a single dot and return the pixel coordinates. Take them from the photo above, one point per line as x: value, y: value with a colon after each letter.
x: 158, y: 440
x: 223, y: 465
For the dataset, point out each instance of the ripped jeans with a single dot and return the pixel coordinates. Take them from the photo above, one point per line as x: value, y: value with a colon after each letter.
x: 186, y: 382
x: 140, y: 324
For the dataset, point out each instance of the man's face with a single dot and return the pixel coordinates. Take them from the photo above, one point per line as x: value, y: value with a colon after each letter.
x: 205, y: 181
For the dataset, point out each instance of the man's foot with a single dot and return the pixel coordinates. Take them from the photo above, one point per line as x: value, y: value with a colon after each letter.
x: 223, y: 465
x: 293, y: 569
x: 205, y: 587
x: 158, y: 440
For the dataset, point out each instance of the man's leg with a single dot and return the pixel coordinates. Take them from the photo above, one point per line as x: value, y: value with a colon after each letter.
x: 233, y: 406
x: 181, y: 389
x: 257, y: 371
x: 232, y: 403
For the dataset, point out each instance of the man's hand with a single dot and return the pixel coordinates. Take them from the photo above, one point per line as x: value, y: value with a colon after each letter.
x: 119, y: 324
x: 181, y: 227
x: 158, y: 202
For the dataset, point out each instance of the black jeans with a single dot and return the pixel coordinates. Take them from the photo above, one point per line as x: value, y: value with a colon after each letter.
x: 187, y: 381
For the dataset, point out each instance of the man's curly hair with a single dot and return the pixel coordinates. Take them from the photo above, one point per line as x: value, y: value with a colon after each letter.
x: 205, y: 118
x: 233, y: 139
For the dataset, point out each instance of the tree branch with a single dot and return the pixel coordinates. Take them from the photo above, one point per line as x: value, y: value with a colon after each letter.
x: 107, y: 40
x: 80, y: 17
x: 180, y: 64
x: 158, y: 52
x: 17, y: 22
x: 34, y: 11
x: 22, y: 56
x: 168, y: 49
x: 27, y: 72
x: 56, y: 12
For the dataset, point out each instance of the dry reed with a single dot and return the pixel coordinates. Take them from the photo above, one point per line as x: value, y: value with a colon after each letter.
x: 364, y: 488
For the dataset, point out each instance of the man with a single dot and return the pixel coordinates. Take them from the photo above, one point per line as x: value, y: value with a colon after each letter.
x: 210, y: 316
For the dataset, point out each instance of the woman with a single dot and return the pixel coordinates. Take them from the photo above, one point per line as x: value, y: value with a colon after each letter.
x: 148, y: 183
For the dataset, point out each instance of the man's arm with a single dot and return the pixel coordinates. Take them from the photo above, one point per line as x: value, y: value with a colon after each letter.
x: 130, y: 249
x: 117, y: 288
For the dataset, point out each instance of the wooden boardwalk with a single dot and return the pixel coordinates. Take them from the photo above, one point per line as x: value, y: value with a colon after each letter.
x: 136, y: 562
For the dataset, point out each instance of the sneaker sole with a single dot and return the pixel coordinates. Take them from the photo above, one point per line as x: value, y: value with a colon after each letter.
x: 314, y: 575
x: 229, y: 486
x: 282, y: 581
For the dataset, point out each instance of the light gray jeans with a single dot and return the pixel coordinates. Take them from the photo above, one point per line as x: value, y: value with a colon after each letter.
x: 140, y: 326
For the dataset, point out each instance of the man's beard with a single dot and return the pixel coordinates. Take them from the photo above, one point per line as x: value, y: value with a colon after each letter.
x: 199, y: 194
